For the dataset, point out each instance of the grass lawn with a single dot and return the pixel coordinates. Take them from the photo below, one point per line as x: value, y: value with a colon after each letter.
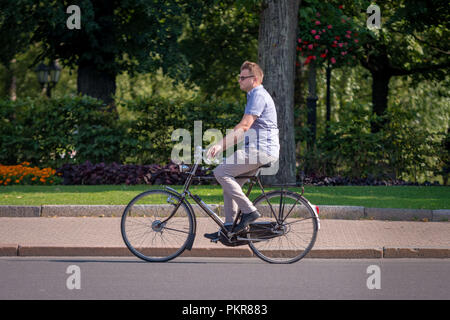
x: 410, y: 197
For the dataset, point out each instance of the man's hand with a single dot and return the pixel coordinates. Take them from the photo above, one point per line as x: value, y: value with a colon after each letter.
x: 213, y: 151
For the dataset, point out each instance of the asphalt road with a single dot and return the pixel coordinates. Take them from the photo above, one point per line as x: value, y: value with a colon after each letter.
x: 222, y: 278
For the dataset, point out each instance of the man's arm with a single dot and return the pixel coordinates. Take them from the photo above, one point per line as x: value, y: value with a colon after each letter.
x: 235, y: 136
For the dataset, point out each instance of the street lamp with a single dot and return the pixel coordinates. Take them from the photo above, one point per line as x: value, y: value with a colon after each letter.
x: 48, y: 75
x: 42, y: 74
x: 55, y: 72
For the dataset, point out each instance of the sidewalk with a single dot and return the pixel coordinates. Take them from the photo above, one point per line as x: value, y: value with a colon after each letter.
x: 96, y: 236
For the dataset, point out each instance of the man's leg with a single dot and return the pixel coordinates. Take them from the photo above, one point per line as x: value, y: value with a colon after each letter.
x: 230, y: 206
x: 234, y: 197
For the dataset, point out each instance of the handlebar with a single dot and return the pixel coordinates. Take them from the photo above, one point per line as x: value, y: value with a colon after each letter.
x: 200, y: 154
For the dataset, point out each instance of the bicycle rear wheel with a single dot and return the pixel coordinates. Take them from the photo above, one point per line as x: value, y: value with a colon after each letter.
x: 147, y: 231
x: 286, y: 230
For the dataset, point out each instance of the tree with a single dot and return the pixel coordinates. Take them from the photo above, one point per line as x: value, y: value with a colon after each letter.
x: 276, y: 52
x: 327, y: 39
x: 226, y: 36
x: 15, y: 28
x: 115, y: 36
x: 408, y: 43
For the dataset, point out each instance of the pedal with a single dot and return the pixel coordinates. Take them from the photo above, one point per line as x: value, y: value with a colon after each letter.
x: 215, y: 240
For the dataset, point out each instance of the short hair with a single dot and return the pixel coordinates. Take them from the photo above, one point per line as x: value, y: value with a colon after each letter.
x: 254, y: 69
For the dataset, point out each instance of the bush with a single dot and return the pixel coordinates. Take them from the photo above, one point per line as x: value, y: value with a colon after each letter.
x: 101, y: 173
x: 156, y: 119
x: 403, y: 149
x: 51, y: 132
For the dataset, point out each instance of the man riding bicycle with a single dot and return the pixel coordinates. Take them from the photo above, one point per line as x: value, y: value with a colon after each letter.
x: 261, y: 146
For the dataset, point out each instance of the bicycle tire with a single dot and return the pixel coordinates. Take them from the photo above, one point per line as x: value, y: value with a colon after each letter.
x: 143, y: 229
x: 272, y: 231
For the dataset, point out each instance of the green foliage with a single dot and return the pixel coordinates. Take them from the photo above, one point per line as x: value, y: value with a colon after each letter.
x: 326, y: 36
x: 156, y: 118
x: 45, y: 132
x: 404, y: 149
x: 217, y: 47
x: 15, y: 27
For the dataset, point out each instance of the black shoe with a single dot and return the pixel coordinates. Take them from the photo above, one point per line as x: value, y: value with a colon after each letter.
x: 246, y: 219
x: 216, y: 235
x: 212, y: 236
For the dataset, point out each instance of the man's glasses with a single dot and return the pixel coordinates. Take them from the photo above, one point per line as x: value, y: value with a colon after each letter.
x: 243, y: 78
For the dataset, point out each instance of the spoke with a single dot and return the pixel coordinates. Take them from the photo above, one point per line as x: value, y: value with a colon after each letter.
x: 297, y: 233
x: 291, y: 210
x: 301, y: 220
x: 171, y: 229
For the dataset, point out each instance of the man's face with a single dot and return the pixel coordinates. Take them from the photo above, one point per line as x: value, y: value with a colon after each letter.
x: 246, y: 80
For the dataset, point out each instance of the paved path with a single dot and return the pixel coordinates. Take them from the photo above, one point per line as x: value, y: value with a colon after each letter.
x: 93, y: 236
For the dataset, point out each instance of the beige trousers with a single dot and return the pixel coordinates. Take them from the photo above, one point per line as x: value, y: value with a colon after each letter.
x: 239, y: 163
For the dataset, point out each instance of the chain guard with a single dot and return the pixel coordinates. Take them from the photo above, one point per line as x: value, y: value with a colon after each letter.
x: 264, y: 230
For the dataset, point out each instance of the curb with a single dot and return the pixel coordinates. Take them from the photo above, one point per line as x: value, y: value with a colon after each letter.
x: 318, y: 253
x: 20, y: 211
x: 326, y: 212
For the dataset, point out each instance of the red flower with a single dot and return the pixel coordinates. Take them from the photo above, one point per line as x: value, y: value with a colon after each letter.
x: 310, y: 46
x: 317, y: 22
x: 330, y: 26
x: 333, y: 60
x: 337, y: 37
x: 317, y: 37
x: 323, y: 55
x: 313, y: 31
x: 299, y: 40
x: 341, y: 6
x: 356, y: 40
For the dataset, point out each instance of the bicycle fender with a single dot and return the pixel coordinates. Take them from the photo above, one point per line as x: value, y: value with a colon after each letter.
x: 315, y: 212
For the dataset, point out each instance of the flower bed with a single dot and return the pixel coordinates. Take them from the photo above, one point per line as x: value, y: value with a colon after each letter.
x: 129, y: 174
x: 24, y: 174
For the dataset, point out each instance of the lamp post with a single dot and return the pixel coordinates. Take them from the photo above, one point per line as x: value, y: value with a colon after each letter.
x: 48, y: 75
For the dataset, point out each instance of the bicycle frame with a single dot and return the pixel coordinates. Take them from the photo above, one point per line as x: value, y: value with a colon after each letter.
x: 186, y: 192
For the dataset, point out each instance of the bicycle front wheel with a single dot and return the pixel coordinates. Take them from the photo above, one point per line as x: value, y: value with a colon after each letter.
x: 286, y: 230
x: 152, y: 231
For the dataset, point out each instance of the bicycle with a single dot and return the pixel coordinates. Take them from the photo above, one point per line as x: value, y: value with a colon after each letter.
x: 159, y: 225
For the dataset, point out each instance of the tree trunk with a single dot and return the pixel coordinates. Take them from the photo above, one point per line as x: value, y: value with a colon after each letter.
x: 380, y: 92
x: 277, y: 52
x: 99, y: 80
x: 10, y: 84
x: 97, y: 84
x: 311, y: 108
x: 328, y: 115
